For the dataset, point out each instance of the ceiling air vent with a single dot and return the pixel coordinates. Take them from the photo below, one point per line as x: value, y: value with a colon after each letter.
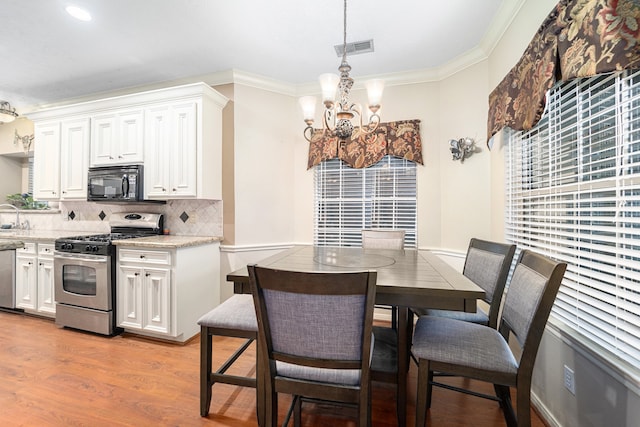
x: 355, y: 48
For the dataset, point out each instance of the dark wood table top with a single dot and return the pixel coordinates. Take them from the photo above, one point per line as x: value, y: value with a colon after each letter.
x: 405, y: 278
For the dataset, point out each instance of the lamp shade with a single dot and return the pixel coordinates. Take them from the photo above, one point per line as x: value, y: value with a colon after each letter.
x: 329, y: 84
x: 308, y: 104
x: 375, y: 88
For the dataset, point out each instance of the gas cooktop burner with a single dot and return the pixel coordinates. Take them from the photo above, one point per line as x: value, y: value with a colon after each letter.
x: 103, y: 238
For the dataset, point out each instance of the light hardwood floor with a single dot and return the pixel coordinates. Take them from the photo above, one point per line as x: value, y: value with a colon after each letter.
x: 61, y: 377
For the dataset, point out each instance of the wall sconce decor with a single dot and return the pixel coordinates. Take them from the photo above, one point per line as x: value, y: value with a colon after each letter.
x: 26, y: 141
x: 463, y: 148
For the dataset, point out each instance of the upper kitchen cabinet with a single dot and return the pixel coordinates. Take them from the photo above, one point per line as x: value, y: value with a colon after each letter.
x: 74, y: 159
x: 176, y: 133
x: 171, y: 151
x: 183, y: 146
x: 116, y: 138
x: 61, y: 159
x: 46, y: 161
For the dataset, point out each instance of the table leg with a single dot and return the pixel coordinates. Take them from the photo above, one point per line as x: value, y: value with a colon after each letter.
x: 403, y: 365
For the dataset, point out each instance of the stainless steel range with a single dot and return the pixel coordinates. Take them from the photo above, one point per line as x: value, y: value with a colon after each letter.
x: 85, y: 272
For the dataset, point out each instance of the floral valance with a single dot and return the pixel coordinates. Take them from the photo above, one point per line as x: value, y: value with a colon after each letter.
x: 580, y: 38
x: 399, y: 139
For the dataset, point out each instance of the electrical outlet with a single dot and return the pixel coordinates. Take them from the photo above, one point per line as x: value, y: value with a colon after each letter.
x: 569, y: 380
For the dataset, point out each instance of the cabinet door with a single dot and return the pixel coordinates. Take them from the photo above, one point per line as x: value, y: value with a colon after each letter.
x: 183, y: 170
x: 103, y: 134
x: 156, y: 140
x: 117, y: 138
x: 26, y: 284
x: 46, y: 162
x: 157, y: 300
x: 74, y: 155
x: 129, y: 147
x: 129, y: 307
x: 46, y: 301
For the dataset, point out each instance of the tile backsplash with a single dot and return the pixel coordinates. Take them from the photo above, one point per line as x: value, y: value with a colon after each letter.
x: 181, y: 217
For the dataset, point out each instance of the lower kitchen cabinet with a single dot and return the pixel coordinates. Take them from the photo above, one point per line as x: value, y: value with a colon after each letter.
x: 34, y: 278
x: 163, y: 292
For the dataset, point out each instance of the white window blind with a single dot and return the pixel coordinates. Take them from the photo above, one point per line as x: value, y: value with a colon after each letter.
x: 348, y: 200
x: 573, y: 193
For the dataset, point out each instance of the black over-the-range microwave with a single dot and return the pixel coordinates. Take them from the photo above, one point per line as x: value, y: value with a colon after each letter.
x: 116, y: 184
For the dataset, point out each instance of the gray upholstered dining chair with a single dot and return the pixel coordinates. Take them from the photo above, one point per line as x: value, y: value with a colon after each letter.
x: 379, y: 238
x: 487, y: 264
x: 316, y: 329
x: 483, y: 353
x: 235, y: 317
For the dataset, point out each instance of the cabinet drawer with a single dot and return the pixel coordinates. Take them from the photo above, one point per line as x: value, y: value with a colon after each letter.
x: 29, y: 248
x: 147, y: 257
x: 46, y: 249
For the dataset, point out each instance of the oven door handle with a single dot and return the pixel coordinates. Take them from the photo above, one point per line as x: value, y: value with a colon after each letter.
x: 81, y: 258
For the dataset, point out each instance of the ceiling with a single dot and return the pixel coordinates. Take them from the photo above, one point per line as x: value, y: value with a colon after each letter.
x: 49, y: 57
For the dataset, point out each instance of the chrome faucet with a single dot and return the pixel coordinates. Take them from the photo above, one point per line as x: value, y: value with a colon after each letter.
x: 17, y: 224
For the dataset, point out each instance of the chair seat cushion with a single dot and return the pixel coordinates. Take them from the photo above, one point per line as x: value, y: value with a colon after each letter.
x: 479, y: 316
x: 237, y: 312
x: 462, y: 343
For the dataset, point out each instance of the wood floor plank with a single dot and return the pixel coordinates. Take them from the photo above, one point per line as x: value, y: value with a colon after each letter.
x: 62, y: 377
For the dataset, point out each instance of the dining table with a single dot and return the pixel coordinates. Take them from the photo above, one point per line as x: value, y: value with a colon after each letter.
x: 405, y: 278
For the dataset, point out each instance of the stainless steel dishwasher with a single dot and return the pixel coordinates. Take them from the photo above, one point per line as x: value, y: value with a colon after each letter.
x: 8, y: 272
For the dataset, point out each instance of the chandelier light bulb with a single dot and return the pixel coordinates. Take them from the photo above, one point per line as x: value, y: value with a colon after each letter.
x: 329, y: 85
x: 375, y: 88
x: 308, y: 104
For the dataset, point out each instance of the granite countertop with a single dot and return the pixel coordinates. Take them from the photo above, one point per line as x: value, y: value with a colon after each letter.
x: 43, y: 235
x: 7, y: 245
x: 167, y: 241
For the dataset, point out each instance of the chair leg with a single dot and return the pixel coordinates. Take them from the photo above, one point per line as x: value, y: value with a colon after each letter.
x: 429, y: 388
x: 205, y: 371
x: 504, y: 394
x: 524, y: 406
x: 394, y: 317
x: 423, y: 394
x: 297, y: 412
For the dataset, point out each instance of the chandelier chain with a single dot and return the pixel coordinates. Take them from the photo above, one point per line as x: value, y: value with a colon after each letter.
x: 344, y: 44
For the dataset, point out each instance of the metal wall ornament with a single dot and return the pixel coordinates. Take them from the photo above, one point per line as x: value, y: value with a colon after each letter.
x: 26, y: 141
x: 463, y: 148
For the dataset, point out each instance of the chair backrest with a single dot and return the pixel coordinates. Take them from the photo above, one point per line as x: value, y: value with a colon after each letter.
x: 487, y: 264
x: 315, y: 320
x: 383, y: 239
x: 528, y: 301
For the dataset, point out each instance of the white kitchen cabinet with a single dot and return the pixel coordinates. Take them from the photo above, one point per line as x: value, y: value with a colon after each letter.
x: 117, y: 137
x: 74, y: 159
x: 27, y: 277
x: 34, y: 278
x: 171, y: 151
x: 144, y: 291
x: 46, y: 300
x: 46, y: 161
x: 175, y: 132
x: 60, y: 159
x: 163, y: 292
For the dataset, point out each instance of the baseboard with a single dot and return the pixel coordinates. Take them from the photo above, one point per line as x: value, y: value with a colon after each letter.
x: 543, y: 412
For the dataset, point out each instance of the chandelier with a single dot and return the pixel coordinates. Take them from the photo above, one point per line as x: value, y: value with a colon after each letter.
x: 7, y: 113
x: 339, y: 113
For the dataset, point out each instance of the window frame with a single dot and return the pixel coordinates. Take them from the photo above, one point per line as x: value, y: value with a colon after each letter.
x: 573, y: 193
x: 347, y: 200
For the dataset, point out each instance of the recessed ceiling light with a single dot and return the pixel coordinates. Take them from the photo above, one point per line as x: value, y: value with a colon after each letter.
x: 78, y: 13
